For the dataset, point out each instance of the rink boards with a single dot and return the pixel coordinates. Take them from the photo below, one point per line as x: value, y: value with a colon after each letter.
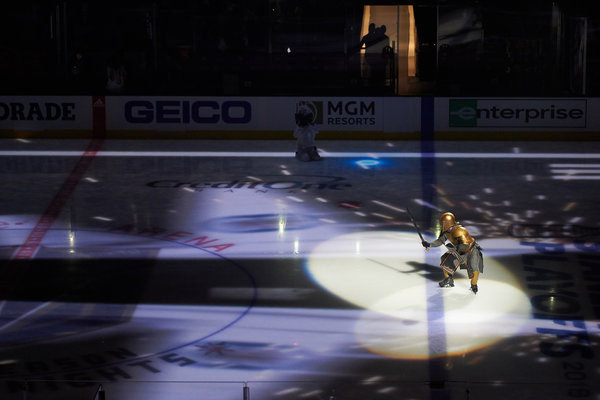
x: 399, y: 118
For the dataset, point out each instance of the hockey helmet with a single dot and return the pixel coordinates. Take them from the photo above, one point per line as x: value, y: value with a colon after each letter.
x: 447, y: 221
x: 303, y: 117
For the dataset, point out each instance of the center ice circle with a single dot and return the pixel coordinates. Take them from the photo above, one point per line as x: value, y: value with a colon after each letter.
x: 139, y: 323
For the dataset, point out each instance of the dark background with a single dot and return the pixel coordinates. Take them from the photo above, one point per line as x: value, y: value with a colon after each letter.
x: 214, y: 47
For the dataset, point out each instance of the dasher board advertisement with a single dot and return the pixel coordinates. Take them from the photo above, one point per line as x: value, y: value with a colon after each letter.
x: 259, y: 113
x: 520, y: 113
x: 39, y: 113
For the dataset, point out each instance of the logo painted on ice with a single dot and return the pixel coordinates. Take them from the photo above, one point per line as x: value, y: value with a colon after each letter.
x: 287, y: 183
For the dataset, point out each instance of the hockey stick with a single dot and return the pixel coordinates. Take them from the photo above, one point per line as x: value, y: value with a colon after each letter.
x: 412, y: 219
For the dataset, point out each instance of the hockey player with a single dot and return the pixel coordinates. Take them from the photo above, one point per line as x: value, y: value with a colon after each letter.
x: 463, y: 251
x: 305, y: 132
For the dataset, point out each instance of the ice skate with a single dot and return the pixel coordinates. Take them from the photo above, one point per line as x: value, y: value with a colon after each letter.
x: 303, y: 155
x: 447, y: 282
x: 314, y: 155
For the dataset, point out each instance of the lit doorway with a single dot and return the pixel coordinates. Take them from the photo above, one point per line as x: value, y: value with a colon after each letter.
x: 392, y: 26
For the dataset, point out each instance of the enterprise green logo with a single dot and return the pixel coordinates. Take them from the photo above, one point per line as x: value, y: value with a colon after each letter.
x: 517, y: 113
x: 463, y: 113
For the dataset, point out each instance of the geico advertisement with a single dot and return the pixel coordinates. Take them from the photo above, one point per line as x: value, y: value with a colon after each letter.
x: 517, y: 113
x: 231, y: 113
x: 45, y: 112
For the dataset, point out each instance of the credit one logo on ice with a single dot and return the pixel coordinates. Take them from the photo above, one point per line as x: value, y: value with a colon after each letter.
x: 184, y: 111
x: 518, y: 113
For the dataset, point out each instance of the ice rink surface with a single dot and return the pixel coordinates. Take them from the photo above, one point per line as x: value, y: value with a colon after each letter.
x: 213, y: 269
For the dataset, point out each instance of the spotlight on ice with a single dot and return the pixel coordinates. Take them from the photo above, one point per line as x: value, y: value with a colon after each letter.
x: 405, y: 314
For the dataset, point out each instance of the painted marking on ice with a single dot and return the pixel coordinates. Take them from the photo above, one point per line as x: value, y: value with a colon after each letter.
x: 258, y: 154
x: 573, y: 172
x: 31, y: 245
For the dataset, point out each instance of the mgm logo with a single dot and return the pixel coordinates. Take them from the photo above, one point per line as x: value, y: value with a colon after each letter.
x: 340, y: 113
x: 313, y: 107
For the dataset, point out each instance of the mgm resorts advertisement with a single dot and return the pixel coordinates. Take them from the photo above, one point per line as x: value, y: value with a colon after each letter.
x: 259, y: 113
